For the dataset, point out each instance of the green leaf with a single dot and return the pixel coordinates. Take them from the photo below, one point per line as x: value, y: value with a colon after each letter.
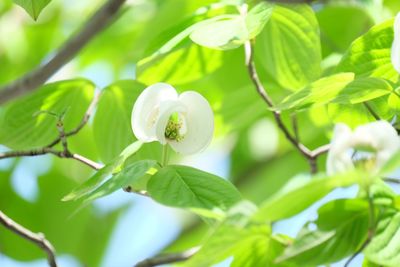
x: 186, y: 187
x: 321, y: 91
x: 222, y: 34
x: 369, y: 55
x: 21, y: 127
x: 300, y: 194
x: 257, y: 17
x: 251, y: 246
x: 342, y: 228
x: 112, y: 122
x: 187, y: 64
x: 338, y: 88
x: 127, y: 176
x: 391, y: 165
x: 33, y: 7
x: 336, y: 35
x: 289, y: 46
x: 229, y: 32
x: 110, y: 168
x: 384, y: 248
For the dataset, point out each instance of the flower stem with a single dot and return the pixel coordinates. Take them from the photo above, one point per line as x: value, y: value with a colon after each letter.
x: 164, y: 159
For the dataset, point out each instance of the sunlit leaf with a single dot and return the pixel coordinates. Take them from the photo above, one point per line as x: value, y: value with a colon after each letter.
x: 110, y: 168
x: 300, y: 194
x: 127, y: 176
x: 369, y: 55
x: 385, y: 246
x: 22, y: 126
x: 289, y: 46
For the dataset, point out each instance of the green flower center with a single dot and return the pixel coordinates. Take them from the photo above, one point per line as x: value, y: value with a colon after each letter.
x: 173, y: 131
x: 364, y: 158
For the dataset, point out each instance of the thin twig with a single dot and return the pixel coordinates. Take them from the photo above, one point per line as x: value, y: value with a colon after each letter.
x: 62, y: 136
x: 100, y: 20
x: 38, y: 239
x: 391, y: 180
x: 295, y: 127
x: 310, y: 155
x: 84, y: 121
x: 371, y: 111
x: 167, y: 258
x: 65, y: 153
x: 84, y: 160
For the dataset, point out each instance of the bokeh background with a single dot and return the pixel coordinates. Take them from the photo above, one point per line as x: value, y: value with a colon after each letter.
x: 122, y: 229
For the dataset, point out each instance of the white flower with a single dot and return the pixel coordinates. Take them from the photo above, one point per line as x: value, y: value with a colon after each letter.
x: 370, y: 145
x: 185, y: 121
x: 395, y: 52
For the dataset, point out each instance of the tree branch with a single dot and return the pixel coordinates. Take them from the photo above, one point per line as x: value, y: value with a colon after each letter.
x: 167, y: 258
x: 310, y: 155
x: 65, y: 153
x: 38, y: 239
x: 100, y: 20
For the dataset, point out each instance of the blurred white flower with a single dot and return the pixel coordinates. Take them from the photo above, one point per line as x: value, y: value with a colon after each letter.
x: 368, y: 146
x: 185, y: 121
x: 395, y: 52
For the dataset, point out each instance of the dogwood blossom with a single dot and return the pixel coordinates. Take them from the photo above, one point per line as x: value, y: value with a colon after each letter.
x: 185, y: 121
x: 369, y: 146
x: 395, y: 51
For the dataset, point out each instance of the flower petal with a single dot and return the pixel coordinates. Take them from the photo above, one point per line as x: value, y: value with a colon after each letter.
x: 167, y: 108
x: 145, y: 111
x: 199, y: 119
x: 381, y: 136
x: 395, y: 51
x: 339, y: 159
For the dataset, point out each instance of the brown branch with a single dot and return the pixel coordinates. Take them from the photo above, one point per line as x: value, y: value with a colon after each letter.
x: 167, y: 258
x: 100, y: 20
x: 391, y: 180
x: 38, y: 239
x: 310, y: 155
x: 371, y: 111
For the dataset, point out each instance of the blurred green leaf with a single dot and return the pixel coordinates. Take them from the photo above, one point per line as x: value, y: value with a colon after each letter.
x: 33, y: 7
x: 184, y: 65
x: 289, y: 46
x: 385, y: 246
x: 321, y: 92
x: 223, y: 34
x: 186, y: 187
x: 21, y: 127
x: 342, y: 228
x: 338, y: 88
x: 336, y: 35
x: 369, y: 55
x: 71, y: 235
x: 299, y: 194
x: 250, y: 246
x: 110, y: 168
x: 231, y: 32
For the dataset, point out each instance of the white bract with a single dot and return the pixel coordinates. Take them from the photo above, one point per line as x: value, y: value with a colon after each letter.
x: 185, y: 121
x: 395, y: 52
x: 369, y: 146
